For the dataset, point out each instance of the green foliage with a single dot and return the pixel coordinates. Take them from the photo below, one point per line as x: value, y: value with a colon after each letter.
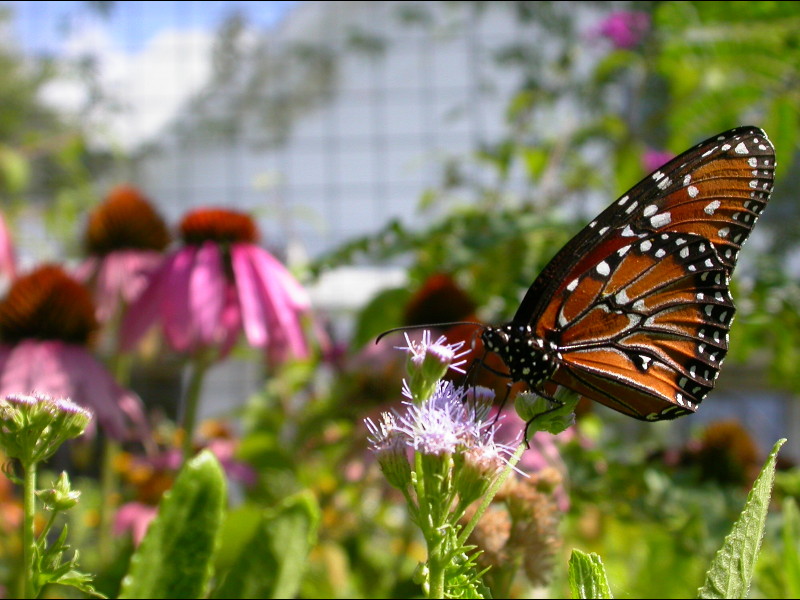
x: 587, y: 577
x: 264, y: 553
x: 50, y: 567
x: 175, y: 557
x: 732, y: 568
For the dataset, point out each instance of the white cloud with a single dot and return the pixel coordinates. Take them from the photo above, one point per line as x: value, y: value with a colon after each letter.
x: 148, y: 87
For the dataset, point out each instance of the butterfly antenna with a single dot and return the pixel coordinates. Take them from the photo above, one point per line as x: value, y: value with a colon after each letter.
x: 426, y: 326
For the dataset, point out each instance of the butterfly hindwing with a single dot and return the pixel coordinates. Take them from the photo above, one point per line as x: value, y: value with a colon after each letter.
x: 647, y: 328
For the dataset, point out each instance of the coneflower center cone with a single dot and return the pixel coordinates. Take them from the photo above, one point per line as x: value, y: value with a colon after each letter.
x: 218, y: 225
x: 47, y: 304
x: 126, y: 220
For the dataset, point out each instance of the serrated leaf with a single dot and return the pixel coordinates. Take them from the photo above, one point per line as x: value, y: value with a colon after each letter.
x: 587, y: 577
x: 174, y: 559
x: 732, y: 568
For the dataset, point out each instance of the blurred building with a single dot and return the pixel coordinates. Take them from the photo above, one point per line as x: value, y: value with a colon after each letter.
x: 339, y: 119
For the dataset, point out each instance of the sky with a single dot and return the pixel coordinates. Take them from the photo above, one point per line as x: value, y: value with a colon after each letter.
x: 152, y: 55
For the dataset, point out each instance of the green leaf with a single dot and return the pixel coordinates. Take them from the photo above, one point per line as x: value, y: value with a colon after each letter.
x: 732, y: 567
x: 791, y: 557
x: 587, y: 577
x: 272, y: 556
x: 174, y: 559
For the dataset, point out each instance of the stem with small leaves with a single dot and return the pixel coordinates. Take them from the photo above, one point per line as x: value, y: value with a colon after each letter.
x: 28, y: 532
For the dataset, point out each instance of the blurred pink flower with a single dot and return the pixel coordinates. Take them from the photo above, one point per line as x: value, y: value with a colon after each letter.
x: 218, y: 284
x: 46, y: 322
x: 542, y: 452
x: 124, y: 241
x: 8, y: 260
x: 653, y: 159
x: 625, y: 29
x: 134, y: 517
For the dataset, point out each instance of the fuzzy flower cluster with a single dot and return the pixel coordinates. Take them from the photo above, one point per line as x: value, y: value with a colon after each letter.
x: 33, y: 427
x: 427, y: 363
x: 440, y: 451
x: 439, y: 420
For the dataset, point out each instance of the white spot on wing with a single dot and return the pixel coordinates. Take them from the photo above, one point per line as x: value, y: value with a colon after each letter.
x: 649, y: 211
x: 741, y: 149
x: 603, y: 269
x: 572, y: 285
x: 693, y: 191
x: 661, y: 220
x: 711, y: 207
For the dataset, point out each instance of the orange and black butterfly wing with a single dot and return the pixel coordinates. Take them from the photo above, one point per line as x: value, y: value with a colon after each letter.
x: 637, y: 303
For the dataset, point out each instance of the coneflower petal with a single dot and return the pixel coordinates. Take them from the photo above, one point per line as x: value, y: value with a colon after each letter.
x: 176, y: 312
x: 207, y: 291
x: 285, y: 300
x: 254, y: 311
x: 145, y: 311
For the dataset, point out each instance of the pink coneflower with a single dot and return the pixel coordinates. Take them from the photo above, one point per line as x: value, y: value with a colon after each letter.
x: 625, y: 29
x: 47, y: 320
x: 8, y: 260
x: 218, y: 283
x: 124, y: 241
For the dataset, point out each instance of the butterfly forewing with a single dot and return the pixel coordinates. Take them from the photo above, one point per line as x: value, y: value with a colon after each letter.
x: 636, y: 307
x: 712, y: 190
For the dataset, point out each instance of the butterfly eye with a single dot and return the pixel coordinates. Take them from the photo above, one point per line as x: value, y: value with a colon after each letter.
x: 634, y: 311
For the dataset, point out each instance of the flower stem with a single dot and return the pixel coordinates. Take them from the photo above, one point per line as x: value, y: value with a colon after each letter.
x: 28, y: 537
x: 437, y: 564
x: 191, y: 400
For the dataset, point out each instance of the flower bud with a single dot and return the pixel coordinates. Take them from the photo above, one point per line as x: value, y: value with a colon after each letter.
x: 60, y: 496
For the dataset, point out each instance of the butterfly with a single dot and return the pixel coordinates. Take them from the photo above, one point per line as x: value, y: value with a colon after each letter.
x: 634, y: 311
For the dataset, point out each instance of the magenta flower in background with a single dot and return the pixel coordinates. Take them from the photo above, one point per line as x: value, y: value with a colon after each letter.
x: 625, y: 29
x: 124, y: 241
x: 47, y: 320
x: 653, y: 159
x: 218, y: 284
x: 8, y: 260
x: 134, y: 517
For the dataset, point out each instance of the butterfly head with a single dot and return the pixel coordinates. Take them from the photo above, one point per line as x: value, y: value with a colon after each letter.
x: 529, y: 358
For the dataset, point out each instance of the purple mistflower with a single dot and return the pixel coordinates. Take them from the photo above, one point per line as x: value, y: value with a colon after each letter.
x: 625, y: 29
x: 446, y: 422
x: 439, y: 351
x: 218, y: 284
